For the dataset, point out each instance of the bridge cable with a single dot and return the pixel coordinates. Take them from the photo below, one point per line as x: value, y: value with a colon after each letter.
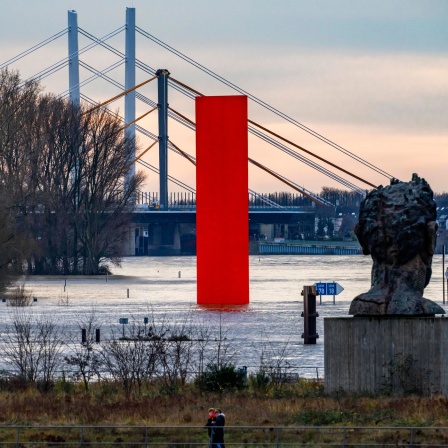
x: 300, y: 189
x: 290, y: 142
x: 139, y: 96
x: 312, y: 154
x: 98, y: 41
x: 182, y: 116
x: 294, y: 186
x: 282, y: 148
x: 144, y: 152
x: 294, y: 154
x: 153, y: 136
x: 263, y: 103
x: 101, y: 42
x: 83, y: 50
x: 171, y: 178
x: 286, y: 150
x: 104, y: 103
x: 192, y: 160
x: 34, y: 48
x: 45, y: 73
x: 264, y: 199
x: 139, y: 118
x: 96, y: 75
x: 282, y: 179
x: 305, y: 160
x: 187, y: 156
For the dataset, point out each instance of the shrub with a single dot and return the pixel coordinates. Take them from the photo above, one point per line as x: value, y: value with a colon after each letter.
x: 220, y: 378
x: 259, y: 381
x: 20, y: 297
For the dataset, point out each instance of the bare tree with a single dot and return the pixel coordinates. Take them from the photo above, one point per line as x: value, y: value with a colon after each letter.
x: 222, y: 350
x: 341, y: 197
x: 16, y: 107
x: 33, y: 347
x: 274, y: 361
x: 58, y: 134
x: 203, y: 338
x: 62, y: 186
x: 11, y: 245
x: 105, y: 200
x: 177, y: 356
x: 83, y: 358
x: 132, y: 359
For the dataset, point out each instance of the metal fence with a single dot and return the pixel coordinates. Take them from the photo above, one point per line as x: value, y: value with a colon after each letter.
x: 283, y: 374
x: 236, y: 436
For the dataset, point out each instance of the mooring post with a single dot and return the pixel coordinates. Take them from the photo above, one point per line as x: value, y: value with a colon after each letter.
x: 309, y: 315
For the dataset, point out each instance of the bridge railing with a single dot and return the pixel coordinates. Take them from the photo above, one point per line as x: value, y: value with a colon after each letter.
x: 192, y: 207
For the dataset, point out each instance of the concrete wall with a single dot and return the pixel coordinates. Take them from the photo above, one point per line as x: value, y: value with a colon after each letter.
x: 386, y: 354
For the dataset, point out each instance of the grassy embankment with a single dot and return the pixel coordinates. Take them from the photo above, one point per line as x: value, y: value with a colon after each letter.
x: 300, y: 404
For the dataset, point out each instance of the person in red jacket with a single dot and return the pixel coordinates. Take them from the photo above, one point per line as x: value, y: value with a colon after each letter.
x: 208, y: 425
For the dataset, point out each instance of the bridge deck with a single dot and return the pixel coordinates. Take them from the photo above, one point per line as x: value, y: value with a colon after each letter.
x: 256, y: 216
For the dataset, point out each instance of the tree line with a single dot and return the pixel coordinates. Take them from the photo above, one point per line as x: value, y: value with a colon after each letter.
x: 338, y: 197
x: 62, y: 189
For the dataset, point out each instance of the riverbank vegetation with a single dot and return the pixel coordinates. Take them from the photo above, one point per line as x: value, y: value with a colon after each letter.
x: 159, y: 372
x: 303, y: 402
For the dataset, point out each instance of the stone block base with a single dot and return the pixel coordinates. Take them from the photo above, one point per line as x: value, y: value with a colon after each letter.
x: 386, y: 354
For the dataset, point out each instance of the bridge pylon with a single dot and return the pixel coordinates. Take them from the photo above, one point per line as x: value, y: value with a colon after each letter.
x: 162, y: 103
x: 129, y: 82
x: 73, y: 59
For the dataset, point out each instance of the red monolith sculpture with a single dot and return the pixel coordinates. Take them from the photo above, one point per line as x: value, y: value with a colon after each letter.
x: 222, y: 219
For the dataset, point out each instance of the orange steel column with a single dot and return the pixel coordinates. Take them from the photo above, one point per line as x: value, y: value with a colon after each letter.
x: 222, y: 221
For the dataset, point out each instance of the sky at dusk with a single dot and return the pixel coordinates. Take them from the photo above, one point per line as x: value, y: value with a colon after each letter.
x: 371, y: 76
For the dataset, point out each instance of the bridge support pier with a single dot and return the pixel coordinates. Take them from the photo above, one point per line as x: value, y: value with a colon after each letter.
x: 153, y: 239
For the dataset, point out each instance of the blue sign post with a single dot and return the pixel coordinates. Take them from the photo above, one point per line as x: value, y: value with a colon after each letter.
x: 328, y: 289
x: 123, y: 321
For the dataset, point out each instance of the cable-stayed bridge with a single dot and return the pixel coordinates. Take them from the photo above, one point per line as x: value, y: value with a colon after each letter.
x: 181, y: 205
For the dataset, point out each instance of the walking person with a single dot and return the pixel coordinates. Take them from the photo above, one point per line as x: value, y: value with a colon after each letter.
x: 208, y: 425
x: 218, y: 429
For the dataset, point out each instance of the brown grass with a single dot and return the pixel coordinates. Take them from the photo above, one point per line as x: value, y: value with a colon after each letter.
x: 293, y: 405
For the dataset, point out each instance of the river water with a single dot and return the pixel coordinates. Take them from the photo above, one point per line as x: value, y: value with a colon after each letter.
x: 165, y: 289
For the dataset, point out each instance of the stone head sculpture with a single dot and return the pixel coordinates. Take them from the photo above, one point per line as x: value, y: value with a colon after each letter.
x: 397, y: 227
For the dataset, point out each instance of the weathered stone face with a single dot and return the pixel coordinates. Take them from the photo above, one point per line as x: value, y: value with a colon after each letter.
x: 397, y: 227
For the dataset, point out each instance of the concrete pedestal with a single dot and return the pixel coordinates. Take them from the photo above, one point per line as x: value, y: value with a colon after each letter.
x: 386, y: 354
